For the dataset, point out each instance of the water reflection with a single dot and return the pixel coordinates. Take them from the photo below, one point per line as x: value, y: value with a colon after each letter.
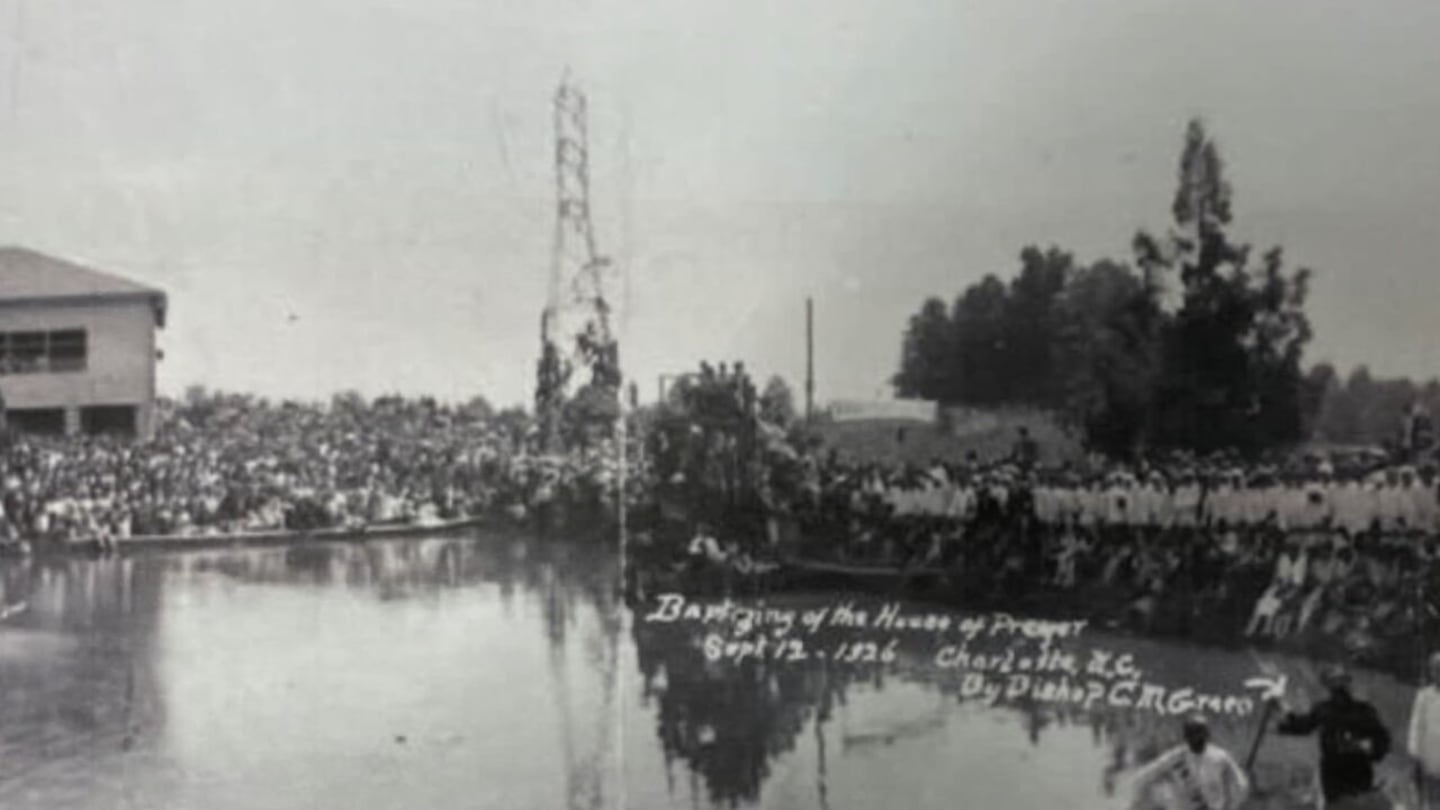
x: 806, y: 734
x: 476, y: 672
x: 499, y: 671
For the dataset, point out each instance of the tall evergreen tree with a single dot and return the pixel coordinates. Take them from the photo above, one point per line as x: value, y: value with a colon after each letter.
x: 1231, y: 374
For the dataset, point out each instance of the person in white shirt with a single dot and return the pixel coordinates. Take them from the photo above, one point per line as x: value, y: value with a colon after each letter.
x: 1290, y: 577
x: 1067, y: 560
x: 1427, y: 504
x: 1092, y: 504
x: 1391, y: 501
x: 1321, y: 571
x: 1405, y: 503
x: 1154, y: 498
x: 1424, y: 741
x: 1120, y: 502
x: 1316, y: 510
x: 705, y: 546
x: 1000, y: 484
x: 1263, y: 500
x: 961, y: 502
x: 1185, y: 504
x: 898, y: 497
x: 1289, y: 505
x: 1070, y: 498
x: 1356, y: 505
x: 1416, y: 501
x: 1197, y: 775
x: 1046, y: 508
x: 1224, y: 502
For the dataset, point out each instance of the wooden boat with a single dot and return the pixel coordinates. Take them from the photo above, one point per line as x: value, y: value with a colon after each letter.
x: 878, y: 576
x: 280, y: 537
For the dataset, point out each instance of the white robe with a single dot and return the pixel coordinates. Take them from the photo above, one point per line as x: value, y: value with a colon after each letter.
x: 1424, y: 737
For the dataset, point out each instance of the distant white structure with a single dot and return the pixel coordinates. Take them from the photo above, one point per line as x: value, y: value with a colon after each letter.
x: 908, y: 410
x: 77, y: 347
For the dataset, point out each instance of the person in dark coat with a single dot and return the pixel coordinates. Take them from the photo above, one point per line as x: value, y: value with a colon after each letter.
x: 1352, y: 739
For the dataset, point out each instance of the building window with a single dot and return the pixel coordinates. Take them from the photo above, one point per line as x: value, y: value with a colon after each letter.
x: 118, y: 420
x: 37, y: 421
x: 67, y: 350
x: 27, y: 352
x: 57, y: 351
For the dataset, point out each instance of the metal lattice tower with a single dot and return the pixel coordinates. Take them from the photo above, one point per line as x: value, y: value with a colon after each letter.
x: 575, y: 328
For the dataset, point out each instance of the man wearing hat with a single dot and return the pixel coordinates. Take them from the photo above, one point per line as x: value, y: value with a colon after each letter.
x: 1352, y: 740
x: 1198, y: 774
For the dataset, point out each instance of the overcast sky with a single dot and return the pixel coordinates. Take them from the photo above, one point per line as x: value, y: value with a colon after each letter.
x: 380, y: 169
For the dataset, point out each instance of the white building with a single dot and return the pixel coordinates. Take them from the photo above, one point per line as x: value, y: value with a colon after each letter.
x: 77, y: 347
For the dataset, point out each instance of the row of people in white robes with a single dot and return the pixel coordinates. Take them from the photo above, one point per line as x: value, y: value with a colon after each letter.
x: 1353, y: 506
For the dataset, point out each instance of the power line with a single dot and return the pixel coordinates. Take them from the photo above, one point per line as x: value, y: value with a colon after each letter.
x: 575, y: 329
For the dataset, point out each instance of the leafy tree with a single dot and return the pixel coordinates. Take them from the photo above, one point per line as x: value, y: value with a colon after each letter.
x: 478, y: 408
x: 1032, y: 320
x: 1106, y: 356
x: 349, y: 400
x: 593, y: 411
x: 1196, y: 348
x: 552, y: 373
x: 926, y: 355
x: 514, y: 423
x: 1322, y: 386
x: 1347, y: 409
x: 981, y: 359
x: 1231, y: 374
x: 1363, y: 409
x: 777, y: 402
x: 997, y: 343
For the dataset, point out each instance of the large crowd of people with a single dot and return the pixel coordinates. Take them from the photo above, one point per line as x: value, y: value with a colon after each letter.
x: 1337, y: 548
x: 1339, y: 545
x: 1332, y: 546
x: 1304, y: 498
x: 234, y: 464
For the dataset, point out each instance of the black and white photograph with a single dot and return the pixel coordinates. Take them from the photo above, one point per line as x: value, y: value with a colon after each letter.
x: 627, y: 405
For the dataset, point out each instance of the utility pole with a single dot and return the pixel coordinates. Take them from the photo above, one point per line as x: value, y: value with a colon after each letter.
x: 575, y: 326
x: 809, y: 359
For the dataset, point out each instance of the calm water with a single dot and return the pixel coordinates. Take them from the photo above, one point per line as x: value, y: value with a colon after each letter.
x: 501, y: 672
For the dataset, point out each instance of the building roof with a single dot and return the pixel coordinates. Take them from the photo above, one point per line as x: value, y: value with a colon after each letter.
x: 28, y: 276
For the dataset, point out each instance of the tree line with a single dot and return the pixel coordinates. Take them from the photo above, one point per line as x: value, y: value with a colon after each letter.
x: 1363, y: 409
x: 1196, y: 343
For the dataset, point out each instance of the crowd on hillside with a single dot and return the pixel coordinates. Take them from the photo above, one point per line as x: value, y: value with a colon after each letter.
x: 235, y: 464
